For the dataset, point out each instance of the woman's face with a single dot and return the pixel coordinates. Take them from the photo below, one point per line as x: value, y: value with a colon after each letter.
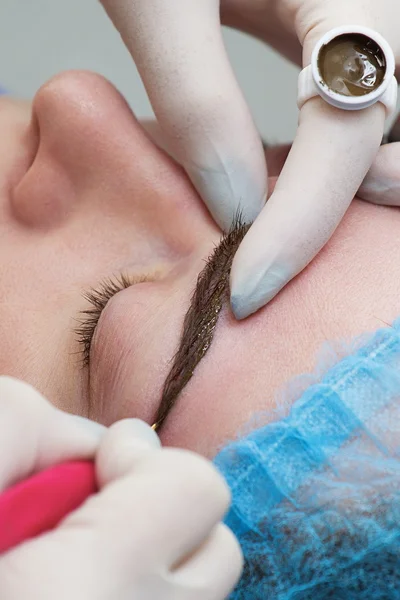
x: 86, y: 198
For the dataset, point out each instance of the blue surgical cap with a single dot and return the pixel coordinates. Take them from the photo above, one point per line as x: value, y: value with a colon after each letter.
x: 316, y: 494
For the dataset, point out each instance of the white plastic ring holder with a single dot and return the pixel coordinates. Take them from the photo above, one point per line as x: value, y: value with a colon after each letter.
x: 312, y: 82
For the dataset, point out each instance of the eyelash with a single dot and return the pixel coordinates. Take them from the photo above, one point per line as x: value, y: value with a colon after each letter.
x: 98, y: 299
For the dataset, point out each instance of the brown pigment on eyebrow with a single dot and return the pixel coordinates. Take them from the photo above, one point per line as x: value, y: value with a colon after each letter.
x: 210, y: 295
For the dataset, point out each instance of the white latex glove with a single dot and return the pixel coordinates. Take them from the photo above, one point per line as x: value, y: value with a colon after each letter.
x: 151, y: 533
x: 178, y: 48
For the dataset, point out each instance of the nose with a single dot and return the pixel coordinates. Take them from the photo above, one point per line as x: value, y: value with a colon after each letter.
x: 84, y: 120
x: 92, y: 149
x: 80, y: 121
x: 88, y: 139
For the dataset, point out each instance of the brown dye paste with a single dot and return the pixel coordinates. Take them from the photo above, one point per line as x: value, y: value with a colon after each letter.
x: 352, y: 65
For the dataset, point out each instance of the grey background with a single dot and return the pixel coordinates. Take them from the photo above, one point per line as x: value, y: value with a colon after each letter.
x: 39, y: 38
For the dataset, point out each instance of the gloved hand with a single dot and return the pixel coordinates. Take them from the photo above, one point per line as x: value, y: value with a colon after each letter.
x: 179, y: 52
x: 152, y: 532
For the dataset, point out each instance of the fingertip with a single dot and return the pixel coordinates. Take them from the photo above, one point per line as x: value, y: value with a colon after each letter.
x: 122, y: 446
x: 239, y: 308
x: 254, y: 284
x: 137, y: 430
x: 382, y: 183
x: 244, y: 305
x: 242, y: 294
x: 257, y: 289
x: 394, y: 134
x: 229, y: 192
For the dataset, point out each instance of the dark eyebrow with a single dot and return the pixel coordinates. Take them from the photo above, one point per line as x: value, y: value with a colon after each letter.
x: 210, y: 295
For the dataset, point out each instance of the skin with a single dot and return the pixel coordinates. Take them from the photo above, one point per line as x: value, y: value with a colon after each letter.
x: 86, y: 194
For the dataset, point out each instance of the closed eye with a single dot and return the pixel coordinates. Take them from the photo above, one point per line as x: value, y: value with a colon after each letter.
x: 98, y: 299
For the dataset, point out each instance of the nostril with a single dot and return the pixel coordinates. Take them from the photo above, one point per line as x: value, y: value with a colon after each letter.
x: 44, y: 197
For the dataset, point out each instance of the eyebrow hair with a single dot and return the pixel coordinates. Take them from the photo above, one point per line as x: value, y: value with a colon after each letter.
x: 210, y: 295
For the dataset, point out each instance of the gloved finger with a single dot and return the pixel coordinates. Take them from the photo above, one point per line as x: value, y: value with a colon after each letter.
x: 166, y: 505
x: 35, y: 435
x: 382, y: 183
x: 154, y: 131
x: 394, y: 134
x: 213, y: 570
x: 274, y: 155
x: 121, y: 447
x: 179, y: 51
x: 329, y: 159
x: 124, y: 541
